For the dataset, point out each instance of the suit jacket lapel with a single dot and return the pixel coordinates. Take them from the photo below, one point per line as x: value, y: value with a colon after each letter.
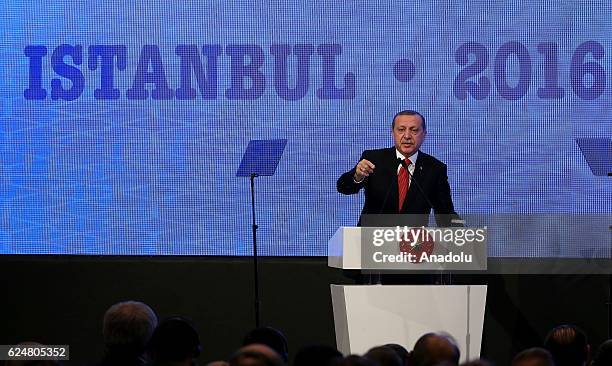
x: 418, y: 176
x: 391, y: 173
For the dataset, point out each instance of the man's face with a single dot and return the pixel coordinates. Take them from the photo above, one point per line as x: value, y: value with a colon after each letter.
x: 408, y: 134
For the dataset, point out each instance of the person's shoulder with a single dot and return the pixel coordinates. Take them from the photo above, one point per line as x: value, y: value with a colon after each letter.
x: 426, y: 159
x: 377, y: 153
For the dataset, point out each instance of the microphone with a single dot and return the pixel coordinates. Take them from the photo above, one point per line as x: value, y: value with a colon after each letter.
x: 455, y: 220
x: 403, y: 163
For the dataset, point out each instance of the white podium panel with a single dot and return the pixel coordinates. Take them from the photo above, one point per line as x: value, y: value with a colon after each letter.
x: 368, y: 316
x: 344, y: 248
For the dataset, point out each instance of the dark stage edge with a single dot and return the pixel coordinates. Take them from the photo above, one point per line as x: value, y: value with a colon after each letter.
x: 61, y: 300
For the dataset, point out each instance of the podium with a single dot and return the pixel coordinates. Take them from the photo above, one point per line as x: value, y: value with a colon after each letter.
x: 371, y: 315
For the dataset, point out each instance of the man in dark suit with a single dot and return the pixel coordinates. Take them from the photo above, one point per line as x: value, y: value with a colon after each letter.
x: 402, y: 179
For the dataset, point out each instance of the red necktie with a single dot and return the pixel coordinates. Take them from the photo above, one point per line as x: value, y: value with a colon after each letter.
x: 403, y: 182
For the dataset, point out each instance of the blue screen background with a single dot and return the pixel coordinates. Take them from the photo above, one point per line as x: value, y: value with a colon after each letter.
x: 157, y: 177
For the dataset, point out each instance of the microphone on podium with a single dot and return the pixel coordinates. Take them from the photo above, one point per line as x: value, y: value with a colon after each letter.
x: 455, y: 221
x: 403, y: 164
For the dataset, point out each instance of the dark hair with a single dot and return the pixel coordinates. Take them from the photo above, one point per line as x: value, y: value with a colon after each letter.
x: 384, y: 356
x: 433, y: 348
x: 271, y: 337
x: 175, y: 339
x: 409, y: 112
x: 568, y: 345
x: 354, y: 360
x: 401, y: 351
x: 543, y: 357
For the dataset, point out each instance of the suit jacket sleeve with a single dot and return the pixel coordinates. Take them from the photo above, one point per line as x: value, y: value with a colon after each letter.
x: 346, y: 184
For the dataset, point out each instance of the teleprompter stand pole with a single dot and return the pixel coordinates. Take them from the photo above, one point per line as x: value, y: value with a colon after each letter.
x: 259, y: 160
x: 255, y: 267
x: 609, y: 303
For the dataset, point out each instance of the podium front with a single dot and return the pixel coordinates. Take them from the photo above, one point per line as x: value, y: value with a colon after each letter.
x: 371, y: 315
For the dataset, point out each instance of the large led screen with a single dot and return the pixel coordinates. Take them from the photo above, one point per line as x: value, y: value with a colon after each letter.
x: 123, y: 123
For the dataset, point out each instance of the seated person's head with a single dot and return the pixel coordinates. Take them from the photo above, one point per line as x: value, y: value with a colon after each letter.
x: 384, y: 356
x: 533, y: 357
x: 401, y: 351
x: 127, y: 327
x: 354, y: 360
x: 175, y: 340
x: 271, y: 337
x: 568, y: 345
x: 256, y: 354
x: 434, y: 348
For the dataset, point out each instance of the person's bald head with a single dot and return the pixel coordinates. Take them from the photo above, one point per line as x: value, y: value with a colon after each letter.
x: 128, y: 326
x: 435, y: 348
